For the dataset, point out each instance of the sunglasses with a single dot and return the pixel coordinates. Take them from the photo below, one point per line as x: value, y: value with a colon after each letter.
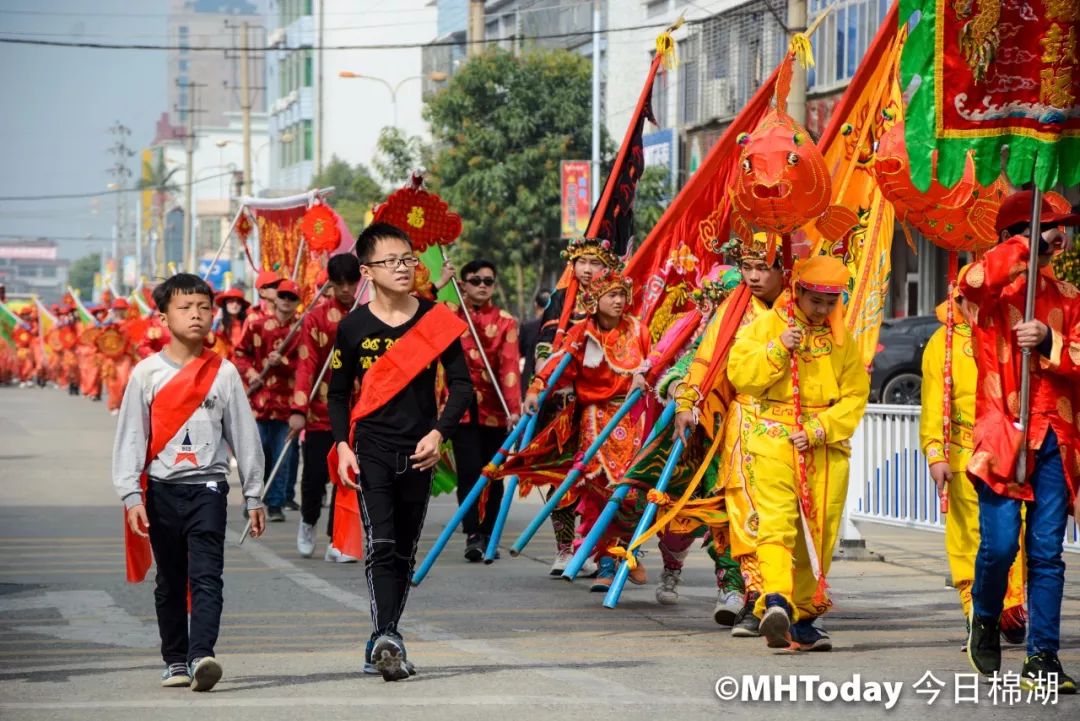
x: 478, y: 281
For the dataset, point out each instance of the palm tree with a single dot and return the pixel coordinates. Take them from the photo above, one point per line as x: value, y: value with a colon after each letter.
x: 158, y: 177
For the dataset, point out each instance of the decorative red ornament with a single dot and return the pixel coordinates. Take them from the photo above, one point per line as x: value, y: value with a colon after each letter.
x: 244, y: 226
x: 320, y: 229
x: 960, y: 218
x: 424, y: 216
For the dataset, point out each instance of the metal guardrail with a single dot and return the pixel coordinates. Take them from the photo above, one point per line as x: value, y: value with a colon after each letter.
x: 889, y: 481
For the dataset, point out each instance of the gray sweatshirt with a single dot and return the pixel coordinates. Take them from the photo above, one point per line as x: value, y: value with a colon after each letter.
x: 199, y: 452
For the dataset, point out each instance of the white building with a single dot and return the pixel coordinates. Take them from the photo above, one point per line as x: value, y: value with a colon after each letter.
x: 308, y: 127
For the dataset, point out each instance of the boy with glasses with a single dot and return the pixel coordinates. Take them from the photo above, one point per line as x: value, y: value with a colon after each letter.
x: 387, y: 437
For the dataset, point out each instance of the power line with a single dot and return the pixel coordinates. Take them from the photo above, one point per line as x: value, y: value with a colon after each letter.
x: 98, y: 194
x: 390, y: 46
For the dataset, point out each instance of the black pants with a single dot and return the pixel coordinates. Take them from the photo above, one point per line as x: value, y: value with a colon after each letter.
x: 474, y: 447
x: 393, y: 503
x: 315, y: 476
x: 187, y: 533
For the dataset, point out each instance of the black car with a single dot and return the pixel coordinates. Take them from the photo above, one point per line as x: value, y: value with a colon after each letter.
x: 896, y: 377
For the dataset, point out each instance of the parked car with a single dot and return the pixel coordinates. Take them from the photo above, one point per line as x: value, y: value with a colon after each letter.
x: 896, y: 377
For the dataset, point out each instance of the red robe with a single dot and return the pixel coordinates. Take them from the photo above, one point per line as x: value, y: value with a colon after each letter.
x: 997, y: 285
x: 261, y: 336
x: 499, y: 332
x: 316, y: 342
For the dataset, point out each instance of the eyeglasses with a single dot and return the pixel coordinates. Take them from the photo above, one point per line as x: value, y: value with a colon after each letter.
x: 478, y: 281
x: 409, y: 261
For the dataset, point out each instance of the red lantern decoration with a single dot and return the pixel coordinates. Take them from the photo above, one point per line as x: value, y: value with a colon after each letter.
x: 244, y: 227
x: 320, y: 229
x: 424, y: 216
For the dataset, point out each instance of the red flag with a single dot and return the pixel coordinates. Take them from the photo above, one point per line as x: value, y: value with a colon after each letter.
x: 698, y: 216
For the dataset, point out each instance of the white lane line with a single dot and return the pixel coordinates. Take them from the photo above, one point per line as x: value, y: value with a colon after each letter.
x: 430, y: 632
x: 221, y: 701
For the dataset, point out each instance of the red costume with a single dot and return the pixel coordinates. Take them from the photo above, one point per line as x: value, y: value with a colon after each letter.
x: 997, y: 284
x: 499, y: 332
x: 261, y: 336
x: 315, y: 342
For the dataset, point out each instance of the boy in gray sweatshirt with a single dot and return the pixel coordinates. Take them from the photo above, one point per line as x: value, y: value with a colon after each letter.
x: 184, y: 409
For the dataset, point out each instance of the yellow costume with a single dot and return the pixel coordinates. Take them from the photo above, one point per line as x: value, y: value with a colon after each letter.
x: 735, y: 483
x: 834, y: 387
x: 962, y: 519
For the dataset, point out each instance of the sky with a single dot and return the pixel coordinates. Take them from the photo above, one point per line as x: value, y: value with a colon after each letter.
x: 59, y: 104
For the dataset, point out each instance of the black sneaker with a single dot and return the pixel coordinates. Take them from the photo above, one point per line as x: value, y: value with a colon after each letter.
x: 205, y: 673
x: 369, y: 667
x: 776, y: 622
x: 805, y: 636
x: 388, y: 657
x: 1040, y: 671
x: 474, y: 547
x: 984, y: 646
x: 292, y: 506
x: 746, y: 623
x: 274, y: 514
x: 176, y: 675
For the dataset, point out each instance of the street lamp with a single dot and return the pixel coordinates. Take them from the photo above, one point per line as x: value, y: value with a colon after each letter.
x: 437, y: 76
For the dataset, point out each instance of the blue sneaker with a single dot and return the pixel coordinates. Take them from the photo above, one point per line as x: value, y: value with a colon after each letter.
x: 776, y: 622
x: 369, y: 667
x: 176, y: 675
x: 604, y: 575
x: 806, y: 636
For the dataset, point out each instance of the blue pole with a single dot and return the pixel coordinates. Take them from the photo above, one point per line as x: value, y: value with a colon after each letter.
x: 612, y: 598
x: 478, y: 488
x: 617, y: 497
x: 508, y: 498
x: 573, y: 475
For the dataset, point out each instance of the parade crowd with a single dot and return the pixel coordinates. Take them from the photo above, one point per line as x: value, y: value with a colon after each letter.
x: 750, y: 463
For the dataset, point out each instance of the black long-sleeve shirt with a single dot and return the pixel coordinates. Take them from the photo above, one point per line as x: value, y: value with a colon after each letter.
x: 412, y: 413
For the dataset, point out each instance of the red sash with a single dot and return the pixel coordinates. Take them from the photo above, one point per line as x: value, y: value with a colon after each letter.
x: 388, y: 376
x: 169, y: 411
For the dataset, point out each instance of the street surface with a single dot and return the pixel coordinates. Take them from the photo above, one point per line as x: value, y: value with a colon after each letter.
x: 490, y: 642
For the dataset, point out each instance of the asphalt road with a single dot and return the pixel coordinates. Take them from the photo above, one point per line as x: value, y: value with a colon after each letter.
x: 490, y: 642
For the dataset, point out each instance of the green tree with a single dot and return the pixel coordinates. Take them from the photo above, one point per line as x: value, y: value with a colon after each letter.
x: 501, y: 126
x: 398, y: 156
x: 650, y: 202
x: 355, y: 191
x: 81, y: 274
x: 158, y: 178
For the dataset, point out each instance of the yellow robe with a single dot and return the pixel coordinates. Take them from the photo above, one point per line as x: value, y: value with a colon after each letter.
x: 736, y: 478
x: 962, y: 520
x: 834, y: 387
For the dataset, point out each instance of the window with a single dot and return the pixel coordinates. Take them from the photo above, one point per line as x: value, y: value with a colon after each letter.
x: 309, y: 141
x: 182, y: 66
x: 655, y: 7
x: 309, y: 69
x: 841, y: 41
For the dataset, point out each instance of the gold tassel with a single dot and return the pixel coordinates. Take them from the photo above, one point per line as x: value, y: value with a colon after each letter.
x: 802, y: 50
x: 665, y: 45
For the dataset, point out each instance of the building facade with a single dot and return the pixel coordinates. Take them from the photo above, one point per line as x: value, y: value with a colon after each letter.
x: 33, y: 267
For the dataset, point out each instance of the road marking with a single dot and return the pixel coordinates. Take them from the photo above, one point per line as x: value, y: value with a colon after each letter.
x: 91, y: 616
x: 367, y: 699
x: 430, y: 632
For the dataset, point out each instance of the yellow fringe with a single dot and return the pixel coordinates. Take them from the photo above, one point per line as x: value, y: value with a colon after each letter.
x: 803, y: 51
x: 665, y: 45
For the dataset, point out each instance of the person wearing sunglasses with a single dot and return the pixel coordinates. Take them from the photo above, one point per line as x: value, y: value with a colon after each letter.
x: 482, y: 430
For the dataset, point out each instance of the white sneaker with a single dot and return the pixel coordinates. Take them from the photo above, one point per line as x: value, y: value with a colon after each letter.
x: 332, y: 554
x: 667, y: 593
x: 562, y: 557
x: 589, y: 569
x: 346, y: 558
x: 305, y: 539
x: 114, y: 412
x: 728, y: 605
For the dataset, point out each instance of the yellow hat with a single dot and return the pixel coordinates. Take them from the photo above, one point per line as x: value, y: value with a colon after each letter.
x: 825, y: 274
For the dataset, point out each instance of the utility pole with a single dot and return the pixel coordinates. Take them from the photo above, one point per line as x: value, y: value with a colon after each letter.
x: 121, y: 173
x: 246, y: 99
x: 245, y: 105
x: 475, y: 28
x: 595, y: 103
x: 796, y: 104
x: 189, y: 149
x: 319, y: 89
